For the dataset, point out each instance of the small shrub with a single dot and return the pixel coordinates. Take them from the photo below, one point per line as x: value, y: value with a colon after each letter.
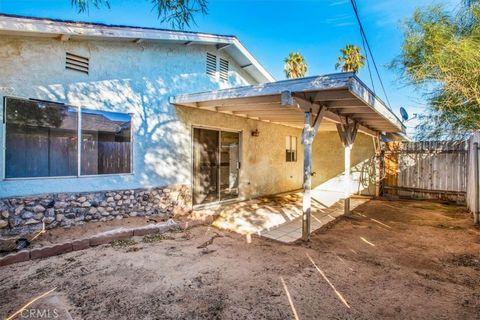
x: 122, y: 243
x: 157, y: 237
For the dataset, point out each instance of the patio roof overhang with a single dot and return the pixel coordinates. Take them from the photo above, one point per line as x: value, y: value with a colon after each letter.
x: 336, y: 102
x: 343, y: 95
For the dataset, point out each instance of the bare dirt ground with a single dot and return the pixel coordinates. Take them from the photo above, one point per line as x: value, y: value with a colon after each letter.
x: 389, y: 259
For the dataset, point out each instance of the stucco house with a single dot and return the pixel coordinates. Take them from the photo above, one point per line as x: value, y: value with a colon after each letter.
x: 102, y: 122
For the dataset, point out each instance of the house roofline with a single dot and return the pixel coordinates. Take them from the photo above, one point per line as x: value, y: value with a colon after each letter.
x: 67, y: 29
x: 108, y: 25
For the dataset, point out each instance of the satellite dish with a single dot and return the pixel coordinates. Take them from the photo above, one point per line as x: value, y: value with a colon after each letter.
x: 403, y: 113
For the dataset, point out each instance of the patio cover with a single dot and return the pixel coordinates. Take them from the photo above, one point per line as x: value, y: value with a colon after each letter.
x: 338, y: 102
x: 284, y: 102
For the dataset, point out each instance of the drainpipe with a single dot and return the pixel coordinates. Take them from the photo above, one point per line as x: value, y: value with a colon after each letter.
x: 476, y: 213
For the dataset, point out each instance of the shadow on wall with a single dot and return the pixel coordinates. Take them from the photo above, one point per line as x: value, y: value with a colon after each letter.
x: 328, y: 163
x: 362, y: 180
x: 162, y: 144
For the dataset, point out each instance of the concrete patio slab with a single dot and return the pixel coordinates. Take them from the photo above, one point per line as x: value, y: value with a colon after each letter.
x: 279, y: 217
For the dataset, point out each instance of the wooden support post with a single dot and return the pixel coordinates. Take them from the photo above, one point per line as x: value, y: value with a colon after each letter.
x: 307, y: 177
x: 346, y: 204
x: 378, y: 163
x: 309, y: 132
x: 347, y: 132
x: 308, y: 135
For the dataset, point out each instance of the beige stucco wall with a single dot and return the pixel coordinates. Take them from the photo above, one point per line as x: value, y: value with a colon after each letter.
x: 263, y: 167
x: 264, y: 170
x: 328, y: 163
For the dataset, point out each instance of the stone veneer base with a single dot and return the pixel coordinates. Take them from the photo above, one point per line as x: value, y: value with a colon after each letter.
x: 26, y: 215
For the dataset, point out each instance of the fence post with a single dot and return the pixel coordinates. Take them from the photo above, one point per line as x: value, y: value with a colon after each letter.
x: 476, y: 211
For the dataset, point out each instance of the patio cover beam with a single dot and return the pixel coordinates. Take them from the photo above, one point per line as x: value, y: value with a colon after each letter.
x: 343, y: 94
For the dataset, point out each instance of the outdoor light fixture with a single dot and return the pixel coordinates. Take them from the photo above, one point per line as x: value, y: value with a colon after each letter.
x: 255, y: 133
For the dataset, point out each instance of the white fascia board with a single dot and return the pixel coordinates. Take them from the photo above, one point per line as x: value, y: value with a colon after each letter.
x: 263, y: 72
x: 326, y: 82
x: 358, y: 88
x: 55, y: 28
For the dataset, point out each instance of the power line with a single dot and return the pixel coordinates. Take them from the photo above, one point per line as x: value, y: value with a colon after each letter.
x: 368, y: 65
x: 365, y: 40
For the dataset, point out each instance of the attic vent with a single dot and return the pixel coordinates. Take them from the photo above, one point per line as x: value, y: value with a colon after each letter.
x: 211, y: 64
x: 77, y: 63
x: 223, y: 69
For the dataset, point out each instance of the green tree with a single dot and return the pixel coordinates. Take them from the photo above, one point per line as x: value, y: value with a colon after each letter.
x: 179, y: 13
x: 441, y: 56
x: 295, y: 66
x: 351, y: 59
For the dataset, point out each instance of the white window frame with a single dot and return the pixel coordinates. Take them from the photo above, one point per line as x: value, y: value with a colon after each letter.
x: 79, y: 144
x: 293, y: 150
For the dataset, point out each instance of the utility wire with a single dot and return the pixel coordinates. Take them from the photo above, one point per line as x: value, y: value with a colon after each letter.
x: 364, y: 39
x: 368, y: 64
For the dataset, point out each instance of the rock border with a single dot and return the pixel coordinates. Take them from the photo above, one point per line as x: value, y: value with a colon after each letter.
x: 85, y: 243
x: 99, y: 239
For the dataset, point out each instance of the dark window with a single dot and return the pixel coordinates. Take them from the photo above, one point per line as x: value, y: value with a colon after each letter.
x: 42, y: 140
x: 291, y: 148
x: 106, y: 142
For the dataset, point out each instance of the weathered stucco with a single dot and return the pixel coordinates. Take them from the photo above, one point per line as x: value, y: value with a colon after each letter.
x: 124, y: 77
x: 139, y: 79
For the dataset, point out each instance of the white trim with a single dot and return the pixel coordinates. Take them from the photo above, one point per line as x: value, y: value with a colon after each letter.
x: 28, y: 26
x: 332, y: 84
x: 363, y: 93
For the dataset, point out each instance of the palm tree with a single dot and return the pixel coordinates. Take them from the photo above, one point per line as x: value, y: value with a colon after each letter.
x: 295, y: 66
x: 351, y: 59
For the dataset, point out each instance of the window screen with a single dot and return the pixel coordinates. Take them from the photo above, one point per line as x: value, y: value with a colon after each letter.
x: 106, y: 142
x: 291, y: 148
x: 42, y: 140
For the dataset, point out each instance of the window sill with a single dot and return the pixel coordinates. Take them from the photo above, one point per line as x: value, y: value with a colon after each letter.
x: 70, y: 177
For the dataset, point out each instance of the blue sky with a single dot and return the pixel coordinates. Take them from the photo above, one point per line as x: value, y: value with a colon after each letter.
x: 271, y: 29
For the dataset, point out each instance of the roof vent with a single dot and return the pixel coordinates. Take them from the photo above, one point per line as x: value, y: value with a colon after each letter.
x: 224, y: 69
x: 211, y: 64
x: 77, y: 63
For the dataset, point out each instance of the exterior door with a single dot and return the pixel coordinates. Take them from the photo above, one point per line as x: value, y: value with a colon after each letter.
x: 229, y: 164
x: 215, y: 165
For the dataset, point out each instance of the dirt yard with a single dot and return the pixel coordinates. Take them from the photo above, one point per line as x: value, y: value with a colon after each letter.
x: 389, y: 259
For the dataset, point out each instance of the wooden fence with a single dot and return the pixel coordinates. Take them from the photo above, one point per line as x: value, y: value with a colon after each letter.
x: 426, y: 170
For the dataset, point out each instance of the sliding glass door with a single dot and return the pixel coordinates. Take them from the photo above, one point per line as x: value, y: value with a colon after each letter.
x: 216, y: 165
